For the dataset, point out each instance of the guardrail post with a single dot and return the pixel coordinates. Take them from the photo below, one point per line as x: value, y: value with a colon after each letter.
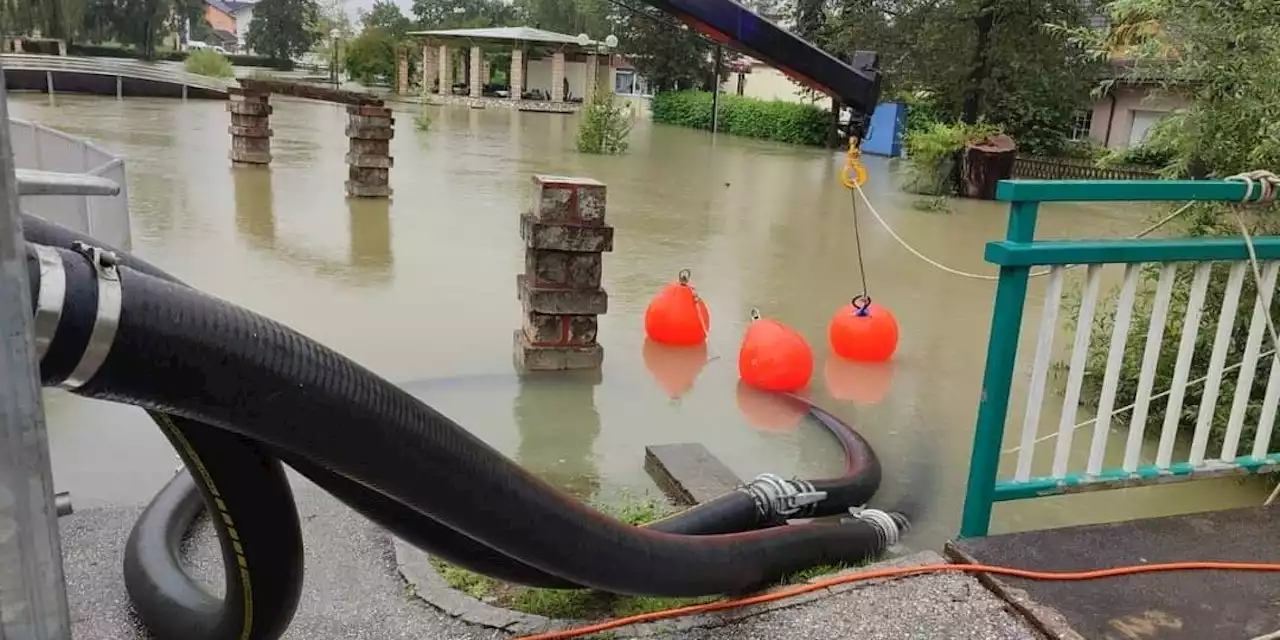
x: 997, y: 379
x: 33, y: 594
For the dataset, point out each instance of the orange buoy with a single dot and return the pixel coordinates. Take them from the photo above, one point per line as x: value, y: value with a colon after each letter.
x: 769, y: 411
x: 677, y: 317
x: 862, y: 383
x: 864, y: 331
x: 774, y: 357
x: 674, y: 368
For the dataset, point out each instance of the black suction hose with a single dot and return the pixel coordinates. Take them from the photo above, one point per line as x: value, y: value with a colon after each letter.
x: 179, y: 351
x: 730, y: 513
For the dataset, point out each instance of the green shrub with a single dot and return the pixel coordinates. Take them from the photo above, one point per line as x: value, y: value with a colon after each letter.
x: 931, y: 154
x: 790, y: 122
x: 422, y: 119
x: 371, y: 58
x: 207, y: 62
x: 606, y: 122
x: 1084, y: 150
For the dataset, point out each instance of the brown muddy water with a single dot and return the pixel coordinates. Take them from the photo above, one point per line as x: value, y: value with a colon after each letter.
x: 422, y: 290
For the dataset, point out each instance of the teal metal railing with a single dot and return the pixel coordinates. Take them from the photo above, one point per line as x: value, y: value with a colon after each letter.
x: 1020, y: 252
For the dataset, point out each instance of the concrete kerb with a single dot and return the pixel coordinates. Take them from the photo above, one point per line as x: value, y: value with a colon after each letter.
x: 425, y: 583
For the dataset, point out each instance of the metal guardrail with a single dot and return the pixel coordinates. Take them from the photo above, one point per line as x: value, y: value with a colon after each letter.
x: 1230, y: 433
x: 42, y: 149
x: 155, y: 72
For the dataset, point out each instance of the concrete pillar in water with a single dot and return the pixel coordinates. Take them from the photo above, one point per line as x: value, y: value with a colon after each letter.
x: 402, y: 72
x: 517, y: 73
x: 445, y: 68
x: 564, y: 235
x: 589, y: 81
x: 429, y: 67
x: 250, y: 127
x: 474, y: 81
x: 370, y: 129
x: 557, y: 76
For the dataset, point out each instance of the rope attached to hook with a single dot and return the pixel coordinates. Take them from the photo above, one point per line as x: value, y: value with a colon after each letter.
x: 852, y: 176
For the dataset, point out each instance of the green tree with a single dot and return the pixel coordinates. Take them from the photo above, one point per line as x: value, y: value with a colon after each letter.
x: 669, y: 55
x: 371, y: 57
x: 1222, y: 58
x: 593, y: 17
x: 283, y: 29
x: 463, y: 14
x: 386, y: 16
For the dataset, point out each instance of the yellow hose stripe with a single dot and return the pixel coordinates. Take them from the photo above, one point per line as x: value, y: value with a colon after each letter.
x: 202, y: 475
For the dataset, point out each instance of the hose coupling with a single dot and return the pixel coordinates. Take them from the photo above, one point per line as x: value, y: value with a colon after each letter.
x: 890, y: 526
x: 777, y: 498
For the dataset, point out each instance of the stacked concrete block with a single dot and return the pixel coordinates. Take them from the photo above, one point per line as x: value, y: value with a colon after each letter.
x: 250, y: 127
x: 370, y: 129
x: 565, y: 236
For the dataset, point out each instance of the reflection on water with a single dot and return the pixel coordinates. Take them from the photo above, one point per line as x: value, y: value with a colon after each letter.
x: 369, y: 258
x: 421, y: 288
x: 558, y: 424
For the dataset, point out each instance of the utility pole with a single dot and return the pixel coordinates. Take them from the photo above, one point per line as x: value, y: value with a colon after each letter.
x: 33, y: 592
x: 715, y: 90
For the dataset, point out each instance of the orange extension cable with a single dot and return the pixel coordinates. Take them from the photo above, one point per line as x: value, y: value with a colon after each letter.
x: 906, y: 571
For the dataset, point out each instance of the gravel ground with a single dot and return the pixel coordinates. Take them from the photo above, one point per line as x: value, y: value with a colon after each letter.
x: 353, y: 592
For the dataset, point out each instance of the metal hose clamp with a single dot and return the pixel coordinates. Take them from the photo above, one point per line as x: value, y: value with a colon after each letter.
x: 889, y: 526
x: 107, y: 320
x: 777, y: 498
x: 51, y: 299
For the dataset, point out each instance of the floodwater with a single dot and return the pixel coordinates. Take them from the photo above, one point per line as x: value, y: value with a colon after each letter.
x: 421, y: 289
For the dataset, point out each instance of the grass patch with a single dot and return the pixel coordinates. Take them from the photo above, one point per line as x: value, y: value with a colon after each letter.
x: 207, y: 62
x: 585, y: 604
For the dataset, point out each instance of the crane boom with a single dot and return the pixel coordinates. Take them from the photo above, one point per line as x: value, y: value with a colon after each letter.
x: 855, y: 84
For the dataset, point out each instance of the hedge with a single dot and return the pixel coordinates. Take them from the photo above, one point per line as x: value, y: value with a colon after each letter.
x: 777, y: 120
x: 239, y: 60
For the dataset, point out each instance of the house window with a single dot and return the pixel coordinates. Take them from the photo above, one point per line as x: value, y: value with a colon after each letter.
x: 1081, y: 125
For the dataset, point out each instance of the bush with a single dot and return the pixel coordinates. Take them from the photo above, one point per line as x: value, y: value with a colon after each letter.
x: 606, y: 122
x: 776, y: 120
x: 422, y: 119
x: 1084, y: 150
x: 207, y: 62
x: 931, y: 154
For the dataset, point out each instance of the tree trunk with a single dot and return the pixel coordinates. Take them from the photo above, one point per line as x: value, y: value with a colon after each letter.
x: 984, y: 163
x: 984, y: 23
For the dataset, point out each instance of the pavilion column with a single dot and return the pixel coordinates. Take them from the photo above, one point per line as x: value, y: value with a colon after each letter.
x: 606, y: 74
x: 477, y: 62
x: 589, y: 79
x: 517, y: 73
x: 445, y: 69
x: 557, y: 77
x: 430, y: 68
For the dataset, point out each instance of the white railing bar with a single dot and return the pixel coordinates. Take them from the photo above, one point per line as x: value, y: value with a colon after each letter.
x: 1075, y: 372
x: 1040, y: 370
x: 1270, y: 402
x: 1249, y: 365
x: 1182, y: 368
x: 1221, y: 345
x: 1150, y: 359
x: 1115, y: 358
x: 33, y: 182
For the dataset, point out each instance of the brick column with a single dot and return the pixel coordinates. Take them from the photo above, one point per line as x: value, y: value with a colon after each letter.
x: 557, y: 76
x: 477, y: 63
x: 564, y: 236
x: 429, y: 67
x: 250, y: 127
x: 589, y: 78
x: 517, y: 73
x: 402, y: 72
x: 446, y: 71
x: 370, y: 129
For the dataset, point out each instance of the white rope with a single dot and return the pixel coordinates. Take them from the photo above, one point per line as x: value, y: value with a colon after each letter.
x: 980, y: 276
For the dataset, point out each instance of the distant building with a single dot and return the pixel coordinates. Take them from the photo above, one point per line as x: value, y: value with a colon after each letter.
x: 242, y: 11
